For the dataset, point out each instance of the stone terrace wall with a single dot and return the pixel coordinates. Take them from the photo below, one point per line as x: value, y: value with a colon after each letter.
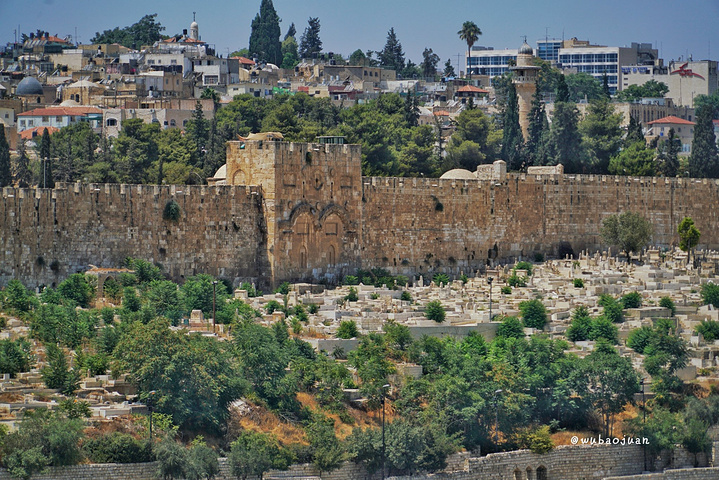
x: 221, y: 230
x: 678, y: 474
x: 413, y: 224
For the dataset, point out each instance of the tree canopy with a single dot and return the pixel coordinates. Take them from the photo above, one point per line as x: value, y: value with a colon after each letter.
x: 145, y: 32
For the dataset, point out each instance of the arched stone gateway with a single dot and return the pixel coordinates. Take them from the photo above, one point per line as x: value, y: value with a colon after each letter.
x: 542, y: 473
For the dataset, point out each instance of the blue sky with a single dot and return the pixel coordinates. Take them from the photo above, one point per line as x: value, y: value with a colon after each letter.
x: 677, y: 28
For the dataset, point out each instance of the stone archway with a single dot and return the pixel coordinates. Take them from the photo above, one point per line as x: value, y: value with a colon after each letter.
x: 542, y: 473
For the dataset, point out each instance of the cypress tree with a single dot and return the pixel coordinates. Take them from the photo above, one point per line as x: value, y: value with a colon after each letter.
x: 21, y: 173
x: 265, y: 35
x: 538, y: 129
x: 634, y: 132
x: 562, y: 89
x: 704, y: 160
x: 5, y: 174
x: 392, y: 55
x: 46, y: 177
x: 512, y: 133
x: 565, y: 137
x: 668, y: 155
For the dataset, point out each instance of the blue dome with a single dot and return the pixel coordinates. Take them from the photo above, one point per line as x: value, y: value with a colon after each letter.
x: 29, y: 86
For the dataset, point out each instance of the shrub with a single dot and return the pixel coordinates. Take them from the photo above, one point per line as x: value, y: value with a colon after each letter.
x: 440, y: 278
x: 632, y: 300
x: 709, y: 329
x: 283, y: 289
x: 172, y: 461
x: 536, y: 439
x: 710, y: 294
x: 578, y: 283
x: 301, y: 313
x: 406, y: 296
x: 118, y: 447
x: 435, y: 311
x: 251, y: 291
x: 534, y: 314
x: 296, y: 326
x: 667, y: 302
x: 77, y: 289
x: 506, y: 289
x: 350, y: 280
x: 172, y: 211
x: 515, y: 280
x: 271, y: 306
x: 464, y: 279
x: 639, y: 338
x: 352, y: 295
x: 347, y: 329
x: 581, y: 326
x: 524, y: 266
x: 313, y: 308
x: 511, y: 327
x: 604, y: 328
x: 374, y: 296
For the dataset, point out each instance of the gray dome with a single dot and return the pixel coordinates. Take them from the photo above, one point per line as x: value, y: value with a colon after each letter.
x: 29, y: 86
x: 525, y: 49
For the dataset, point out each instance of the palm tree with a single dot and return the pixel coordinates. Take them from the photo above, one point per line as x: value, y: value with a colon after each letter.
x: 470, y: 33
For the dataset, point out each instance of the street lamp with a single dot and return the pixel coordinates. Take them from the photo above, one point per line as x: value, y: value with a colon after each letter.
x: 489, y: 281
x: 214, y: 298
x: 384, y: 445
x: 644, y: 419
x: 496, y: 416
x: 150, y: 399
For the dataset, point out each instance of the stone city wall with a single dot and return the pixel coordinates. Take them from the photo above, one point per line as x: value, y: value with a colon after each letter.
x: 610, y: 462
x: 425, y: 225
x: 408, y: 225
x: 46, y: 235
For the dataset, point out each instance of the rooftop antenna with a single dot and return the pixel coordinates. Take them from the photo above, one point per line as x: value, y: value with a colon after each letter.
x: 193, y: 16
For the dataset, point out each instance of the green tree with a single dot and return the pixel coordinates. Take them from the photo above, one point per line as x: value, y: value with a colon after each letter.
x: 392, y: 55
x: 469, y: 33
x: 18, y: 298
x: 704, y: 159
x: 290, y: 53
x: 689, y: 235
x: 710, y: 294
x: 21, y: 168
x: 634, y: 132
x: 310, y: 43
x: 631, y: 300
x: 534, y: 313
x: 668, y: 155
x: 635, y: 160
x: 46, y: 178
x: 5, y: 167
x: 511, y: 327
x: 604, y: 328
x: 195, y: 378
x: 602, y: 135
x: 709, y: 329
x: 565, y: 138
x: 265, y: 34
x: 612, y: 308
x: 77, y: 289
x: 536, y: 147
x: 581, y: 326
x: 448, y: 69
x: 198, y: 293
x: 434, y: 311
x: 15, y: 356
x: 430, y: 60
x: 650, y: 89
x: 57, y: 374
x: 474, y: 141
x: 630, y: 231
x: 512, y: 139
x: 562, y: 91
x: 202, y: 461
x: 358, y: 57
x: 172, y: 461
x: 583, y: 86
x: 145, y: 32
x: 711, y: 101
x: 327, y: 452
x: 347, y: 329
x: 254, y: 454
x: 607, y: 380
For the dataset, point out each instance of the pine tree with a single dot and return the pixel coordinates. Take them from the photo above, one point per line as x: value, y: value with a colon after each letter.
x: 198, y: 130
x: 512, y: 133
x: 265, y: 35
x: 602, y: 133
x: 704, y: 160
x: 310, y: 43
x: 605, y: 87
x: 392, y: 55
x: 448, y: 69
x: 21, y: 171
x: 565, y: 137
x: 411, y: 109
x: 5, y: 174
x: 668, y: 155
x: 538, y: 129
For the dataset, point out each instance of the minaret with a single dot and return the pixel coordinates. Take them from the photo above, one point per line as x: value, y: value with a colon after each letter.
x: 194, y: 29
x: 524, y: 80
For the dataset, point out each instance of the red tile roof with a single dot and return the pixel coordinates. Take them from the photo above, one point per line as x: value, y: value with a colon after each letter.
x: 37, y: 132
x: 672, y: 120
x: 60, y: 111
x: 245, y: 61
x: 473, y: 89
x: 441, y: 113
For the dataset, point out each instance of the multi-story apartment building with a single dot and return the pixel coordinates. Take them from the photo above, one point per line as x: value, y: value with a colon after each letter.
x: 685, y: 79
x: 490, y: 62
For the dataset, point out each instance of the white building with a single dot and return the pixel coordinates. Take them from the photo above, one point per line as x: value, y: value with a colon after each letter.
x: 59, y: 117
x: 685, y: 80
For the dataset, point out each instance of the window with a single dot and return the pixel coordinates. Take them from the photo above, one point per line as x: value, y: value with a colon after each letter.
x: 111, y: 122
x: 45, y: 119
x: 173, y: 62
x: 22, y: 123
x: 172, y: 122
x: 31, y: 123
x: 58, y: 119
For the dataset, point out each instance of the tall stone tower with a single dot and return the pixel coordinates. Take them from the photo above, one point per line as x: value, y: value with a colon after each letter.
x: 194, y: 28
x: 525, y: 78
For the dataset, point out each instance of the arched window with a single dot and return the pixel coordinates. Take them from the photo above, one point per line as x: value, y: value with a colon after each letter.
x: 184, y: 123
x: 542, y: 473
x: 172, y: 122
x: 111, y: 122
x: 331, y: 255
x: 517, y: 474
x: 303, y: 258
x: 529, y: 474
